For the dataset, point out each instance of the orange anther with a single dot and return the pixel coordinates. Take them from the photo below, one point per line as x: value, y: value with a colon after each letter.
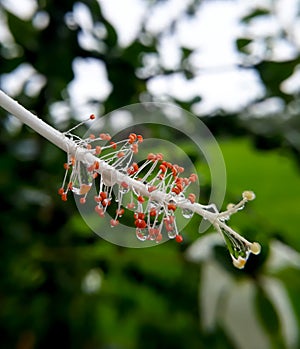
x: 98, y: 150
x: 151, y: 157
x: 103, y: 195
x: 163, y: 168
x: 140, y: 138
x: 193, y: 177
x: 106, y: 202
x: 64, y: 197
x: 159, y: 156
x: 153, y: 212
x: 179, y: 239
x: 60, y: 191
x: 140, y: 199
x: 192, y: 198
x: 172, y: 207
x: 135, y: 148
x: 131, y: 205
x: 151, y: 188
x: 66, y: 166
x: 113, y: 145
x: 120, y: 212
x: 114, y: 222
x: 82, y: 200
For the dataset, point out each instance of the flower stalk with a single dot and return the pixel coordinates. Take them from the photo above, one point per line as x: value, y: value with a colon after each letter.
x: 153, y: 190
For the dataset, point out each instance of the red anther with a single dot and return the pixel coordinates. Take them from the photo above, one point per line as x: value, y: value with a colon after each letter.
x: 163, y: 168
x: 132, y: 137
x: 66, y: 166
x: 64, y: 197
x: 92, y: 136
x: 151, y: 157
x: 158, y: 237
x: 60, y: 191
x: 193, y: 177
x: 153, y: 212
x: 98, y: 150
x: 120, y: 212
x: 113, y: 145
x: 159, y: 156
x: 106, y: 202
x: 103, y: 195
x: 105, y: 136
x: 96, y: 165
x: 161, y: 176
x: 124, y: 185
x: 179, y: 239
x: 82, y: 200
x: 176, y: 190
x: 70, y: 185
x: 140, y: 223
x: 98, y: 199
x: 167, y: 164
x: 114, y: 222
x: 140, y: 138
x: 180, y: 187
x: 172, y: 207
x: 192, y: 198
x: 135, y: 148
x: 133, y: 168
x: 151, y: 188
x: 139, y: 215
x: 174, y: 171
x: 120, y: 154
x: 99, y: 211
x: 180, y: 169
x: 186, y: 181
x: 131, y: 205
x: 140, y: 199
x: 92, y: 116
x: 178, y: 180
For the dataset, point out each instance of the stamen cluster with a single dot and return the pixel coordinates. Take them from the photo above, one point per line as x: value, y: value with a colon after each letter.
x: 151, y: 191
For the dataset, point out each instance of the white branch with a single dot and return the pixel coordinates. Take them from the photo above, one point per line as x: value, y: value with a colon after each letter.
x: 60, y: 140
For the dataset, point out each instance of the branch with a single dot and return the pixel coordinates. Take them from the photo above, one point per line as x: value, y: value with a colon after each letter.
x: 166, y: 188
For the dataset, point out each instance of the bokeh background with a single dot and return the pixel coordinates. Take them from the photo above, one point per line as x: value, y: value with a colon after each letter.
x: 234, y: 64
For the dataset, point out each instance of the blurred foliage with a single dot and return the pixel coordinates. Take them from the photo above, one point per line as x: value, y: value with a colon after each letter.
x: 61, y: 286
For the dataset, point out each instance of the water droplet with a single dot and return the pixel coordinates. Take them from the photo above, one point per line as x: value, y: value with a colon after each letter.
x: 142, y: 234
x: 82, y: 180
x: 187, y: 213
x: 172, y: 234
